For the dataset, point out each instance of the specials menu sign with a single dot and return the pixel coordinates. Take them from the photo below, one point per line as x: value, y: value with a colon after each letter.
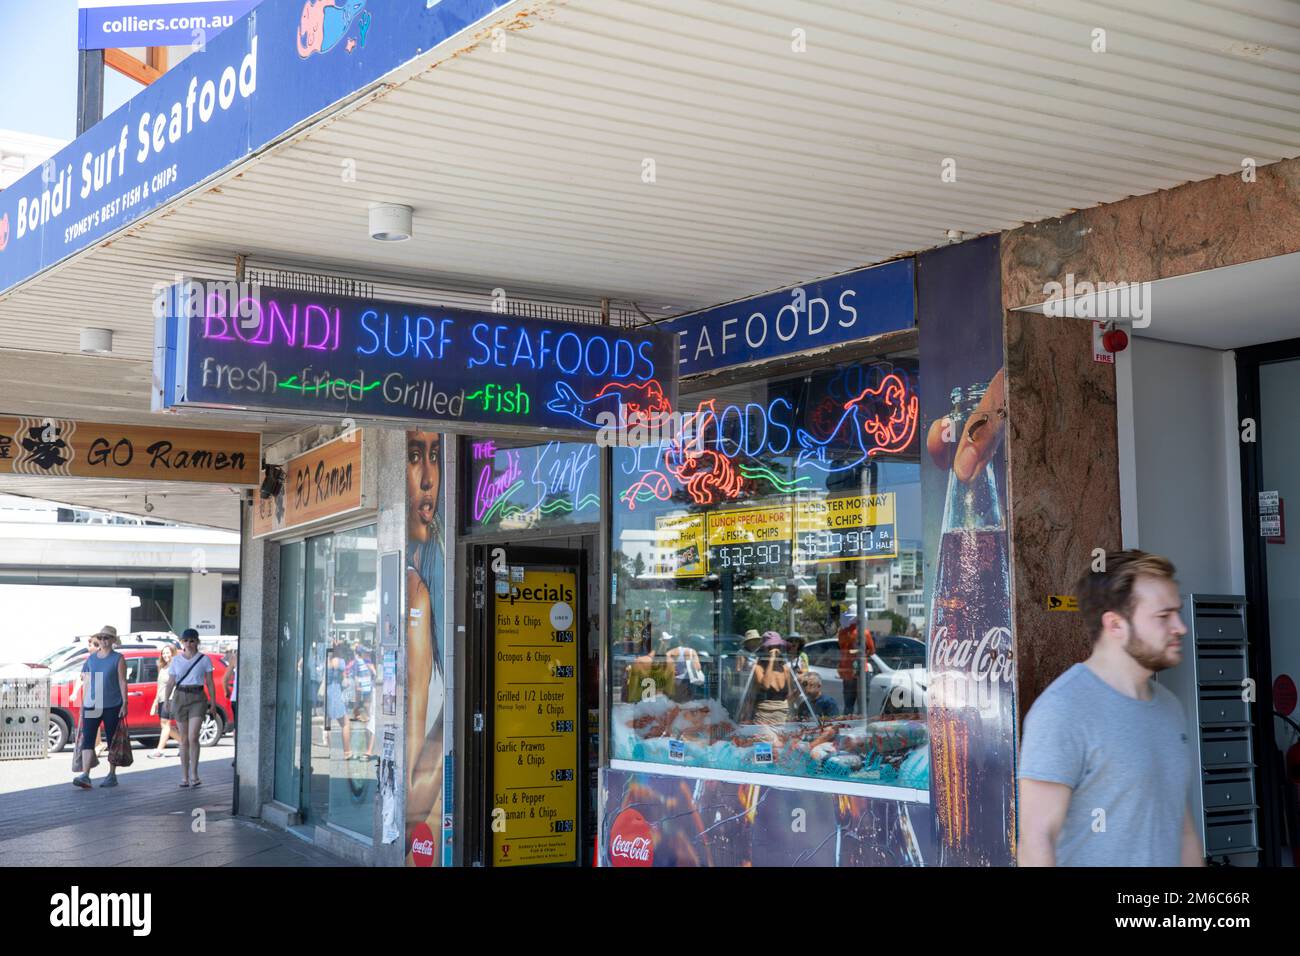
x: 322, y: 483
x: 535, y: 718
x: 62, y: 447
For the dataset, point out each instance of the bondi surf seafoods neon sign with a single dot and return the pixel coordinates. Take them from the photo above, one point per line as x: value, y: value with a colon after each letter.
x: 223, y: 345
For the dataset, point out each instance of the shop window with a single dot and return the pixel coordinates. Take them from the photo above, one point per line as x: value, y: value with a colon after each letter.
x: 759, y: 558
x: 528, y: 487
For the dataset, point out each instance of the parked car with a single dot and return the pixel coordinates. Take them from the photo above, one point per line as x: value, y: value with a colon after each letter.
x: 141, y: 688
x: 79, y: 647
x: 897, y: 676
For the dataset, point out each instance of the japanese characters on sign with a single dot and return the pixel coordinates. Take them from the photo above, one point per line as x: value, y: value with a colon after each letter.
x: 74, y: 449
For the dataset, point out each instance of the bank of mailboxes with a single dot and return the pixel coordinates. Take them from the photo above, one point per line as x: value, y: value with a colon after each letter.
x: 1211, y: 684
x: 24, y: 717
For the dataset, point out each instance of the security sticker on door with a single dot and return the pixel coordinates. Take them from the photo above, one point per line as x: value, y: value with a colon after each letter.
x: 503, y: 587
x: 517, y: 574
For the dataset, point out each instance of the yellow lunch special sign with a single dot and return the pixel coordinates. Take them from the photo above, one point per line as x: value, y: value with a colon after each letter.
x: 749, y: 526
x: 535, y: 769
x: 680, y: 541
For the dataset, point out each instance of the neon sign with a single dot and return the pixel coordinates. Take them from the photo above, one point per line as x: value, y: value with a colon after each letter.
x: 233, y: 345
x: 882, y: 420
x: 513, y: 401
x: 561, y: 484
x: 222, y: 324
x: 726, y: 453
x: 616, y: 404
x: 489, y: 489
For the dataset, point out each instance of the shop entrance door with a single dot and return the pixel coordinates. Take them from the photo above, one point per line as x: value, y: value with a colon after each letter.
x: 1269, y: 390
x: 527, y: 696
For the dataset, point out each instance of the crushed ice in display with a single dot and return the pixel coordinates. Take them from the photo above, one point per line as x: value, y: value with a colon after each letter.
x: 701, y: 734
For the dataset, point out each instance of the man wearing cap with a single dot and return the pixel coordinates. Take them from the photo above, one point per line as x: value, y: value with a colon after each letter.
x: 103, y: 703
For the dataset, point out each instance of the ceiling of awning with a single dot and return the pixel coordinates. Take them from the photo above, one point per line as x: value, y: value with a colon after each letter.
x: 772, y: 165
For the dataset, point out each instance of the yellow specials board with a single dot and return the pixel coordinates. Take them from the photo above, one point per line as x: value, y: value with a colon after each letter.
x: 535, y: 727
x: 846, y: 528
x: 680, y: 542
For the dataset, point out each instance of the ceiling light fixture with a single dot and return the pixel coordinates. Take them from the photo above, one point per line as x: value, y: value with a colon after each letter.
x: 390, y: 222
x: 97, y: 341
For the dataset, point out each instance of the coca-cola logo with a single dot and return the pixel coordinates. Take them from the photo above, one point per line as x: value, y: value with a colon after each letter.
x: 989, y: 659
x: 422, y: 845
x: 966, y: 672
x: 630, y: 843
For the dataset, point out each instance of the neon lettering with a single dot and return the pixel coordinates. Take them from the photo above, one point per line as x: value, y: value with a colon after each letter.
x: 477, y: 333
x: 489, y: 490
x: 369, y: 314
x: 559, y: 353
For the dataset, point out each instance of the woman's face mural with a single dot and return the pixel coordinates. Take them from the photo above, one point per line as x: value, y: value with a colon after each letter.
x: 423, y: 482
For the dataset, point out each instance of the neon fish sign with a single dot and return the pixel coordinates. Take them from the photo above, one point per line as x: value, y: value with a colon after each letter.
x: 882, y: 420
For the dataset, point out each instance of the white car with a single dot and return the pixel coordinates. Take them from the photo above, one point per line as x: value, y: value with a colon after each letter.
x: 898, y: 679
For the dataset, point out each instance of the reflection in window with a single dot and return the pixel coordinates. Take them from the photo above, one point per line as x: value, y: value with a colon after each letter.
x: 769, y: 609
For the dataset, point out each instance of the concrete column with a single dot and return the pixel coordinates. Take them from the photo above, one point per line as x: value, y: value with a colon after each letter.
x: 259, y: 573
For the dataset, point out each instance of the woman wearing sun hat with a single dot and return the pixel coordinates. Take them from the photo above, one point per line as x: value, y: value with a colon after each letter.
x: 772, y: 681
x: 103, y: 702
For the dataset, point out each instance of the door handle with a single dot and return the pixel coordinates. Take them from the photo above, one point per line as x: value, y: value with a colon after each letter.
x: 135, y: 693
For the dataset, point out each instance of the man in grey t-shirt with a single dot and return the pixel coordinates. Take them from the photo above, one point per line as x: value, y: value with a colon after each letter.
x: 1105, y: 764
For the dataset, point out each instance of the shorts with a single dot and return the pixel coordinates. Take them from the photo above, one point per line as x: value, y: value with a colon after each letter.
x: 89, y: 725
x: 186, y: 706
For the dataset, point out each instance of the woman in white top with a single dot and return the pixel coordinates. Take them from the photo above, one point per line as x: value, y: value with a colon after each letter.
x: 192, y: 700
x: 161, y: 706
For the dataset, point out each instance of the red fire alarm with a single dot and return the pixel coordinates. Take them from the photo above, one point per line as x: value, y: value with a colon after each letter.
x: 1114, y: 339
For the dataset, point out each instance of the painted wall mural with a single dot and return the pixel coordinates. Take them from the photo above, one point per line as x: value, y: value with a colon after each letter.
x: 426, y: 649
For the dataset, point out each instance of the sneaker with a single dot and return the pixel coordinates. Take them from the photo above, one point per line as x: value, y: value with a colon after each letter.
x: 83, y: 781
x: 109, y: 782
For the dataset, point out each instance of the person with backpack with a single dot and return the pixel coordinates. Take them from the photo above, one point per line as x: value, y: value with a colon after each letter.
x: 191, y: 694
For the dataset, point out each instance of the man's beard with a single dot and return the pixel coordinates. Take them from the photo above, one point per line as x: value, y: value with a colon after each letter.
x: 1152, y: 660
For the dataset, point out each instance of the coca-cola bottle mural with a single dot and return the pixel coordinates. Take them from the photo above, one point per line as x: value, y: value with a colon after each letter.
x: 972, y: 668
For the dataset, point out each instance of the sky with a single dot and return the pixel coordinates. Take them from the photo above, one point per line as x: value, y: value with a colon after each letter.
x: 38, y: 69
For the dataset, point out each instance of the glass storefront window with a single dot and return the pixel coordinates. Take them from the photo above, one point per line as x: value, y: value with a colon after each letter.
x: 327, y: 678
x: 769, y: 613
x: 526, y: 487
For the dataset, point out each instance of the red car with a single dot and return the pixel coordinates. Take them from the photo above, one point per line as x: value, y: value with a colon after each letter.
x: 141, y: 689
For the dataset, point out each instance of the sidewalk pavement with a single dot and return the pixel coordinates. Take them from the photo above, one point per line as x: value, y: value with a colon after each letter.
x: 147, y: 820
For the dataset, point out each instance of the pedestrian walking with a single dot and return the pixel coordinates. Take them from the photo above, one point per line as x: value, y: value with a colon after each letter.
x: 1105, y: 764
x: 103, y: 703
x: 161, y: 705
x: 192, y: 694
